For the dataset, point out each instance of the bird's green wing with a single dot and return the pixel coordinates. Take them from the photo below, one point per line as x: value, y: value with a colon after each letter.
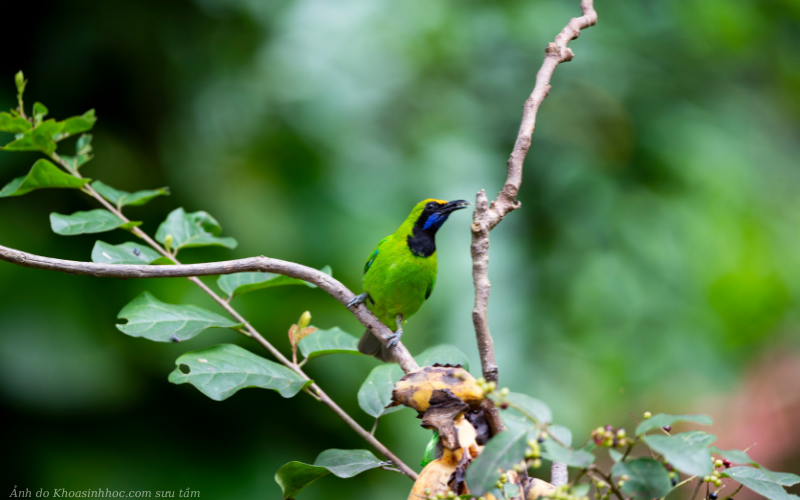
x: 374, y: 255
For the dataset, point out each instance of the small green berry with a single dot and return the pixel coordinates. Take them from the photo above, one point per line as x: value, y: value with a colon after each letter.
x: 537, y: 462
x: 620, y: 484
x: 717, y: 463
x: 451, y: 494
x: 624, y: 477
x: 672, y: 474
x: 647, y: 415
x: 718, y: 482
x: 481, y: 381
x: 440, y: 495
x: 706, y: 479
x: 504, y: 391
x: 491, y: 386
x: 427, y: 492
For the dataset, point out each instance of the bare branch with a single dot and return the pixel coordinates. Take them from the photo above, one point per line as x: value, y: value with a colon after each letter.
x: 253, y: 264
x: 487, y: 215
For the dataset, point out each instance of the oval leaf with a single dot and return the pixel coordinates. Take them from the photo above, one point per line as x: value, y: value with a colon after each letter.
x: 662, y: 420
x: 152, y: 319
x: 124, y: 198
x: 688, y: 451
x: 324, y: 342
x: 197, y: 229
x: 126, y: 253
x: 503, y: 451
x: 561, y: 433
x: 42, y: 175
x: 295, y: 476
x: 531, y: 408
x: 573, y: 458
x: 37, y: 139
x: 347, y: 463
x: 93, y: 221
x: 444, y: 354
x: 220, y: 371
x: 764, y: 482
x: 78, y: 124
x: 13, y: 124
x: 239, y: 283
x: 647, y: 478
x: 376, y: 391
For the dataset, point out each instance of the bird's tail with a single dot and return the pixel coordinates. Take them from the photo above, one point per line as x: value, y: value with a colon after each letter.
x: 371, y: 346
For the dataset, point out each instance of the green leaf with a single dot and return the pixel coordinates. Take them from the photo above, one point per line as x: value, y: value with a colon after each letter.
x: 531, y: 408
x: 39, y: 112
x: 93, y: 221
x: 13, y: 124
x: 503, y: 451
x: 331, y: 341
x: 347, y: 463
x: 563, y: 434
x: 124, y: 198
x: 647, y: 478
x: 735, y: 456
x: 688, y: 451
x: 126, y: 253
x: 376, y: 391
x: 239, y: 283
x: 510, y: 490
x: 222, y: 370
x: 662, y: 420
x: 42, y: 175
x: 197, y: 229
x: 430, y: 450
x: 615, y: 455
x: 764, y: 482
x: 83, y: 153
x: 37, y: 139
x: 78, y: 124
x: 444, y: 354
x: 152, y: 319
x: 573, y: 458
x: 295, y: 476
x: 581, y: 490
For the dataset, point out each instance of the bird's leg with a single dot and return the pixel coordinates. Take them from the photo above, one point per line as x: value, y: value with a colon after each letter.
x: 358, y: 299
x: 395, y: 337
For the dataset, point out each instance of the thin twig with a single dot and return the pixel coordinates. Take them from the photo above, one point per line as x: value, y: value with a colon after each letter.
x: 697, y: 488
x: 735, y: 492
x: 487, y: 215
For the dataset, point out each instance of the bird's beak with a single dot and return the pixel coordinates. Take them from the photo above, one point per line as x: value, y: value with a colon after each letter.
x: 452, y: 206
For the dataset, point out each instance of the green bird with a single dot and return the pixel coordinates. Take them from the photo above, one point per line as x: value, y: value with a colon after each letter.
x: 401, y: 272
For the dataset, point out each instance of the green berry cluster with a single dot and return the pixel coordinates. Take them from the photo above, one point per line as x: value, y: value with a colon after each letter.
x: 715, y: 478
x: 440, y: 495
x: 534, y: 451
x: 609, y: 437
x: 603, y: 489
x: 488, y: 387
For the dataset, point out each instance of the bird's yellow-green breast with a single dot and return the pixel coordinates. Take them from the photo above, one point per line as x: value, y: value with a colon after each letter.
x: 400, y: 273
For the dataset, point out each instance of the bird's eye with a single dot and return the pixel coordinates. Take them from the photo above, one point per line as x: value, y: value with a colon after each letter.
x: 431, y: 206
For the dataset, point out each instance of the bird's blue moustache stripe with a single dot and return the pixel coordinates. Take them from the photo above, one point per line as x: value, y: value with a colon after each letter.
x: 435, y: 221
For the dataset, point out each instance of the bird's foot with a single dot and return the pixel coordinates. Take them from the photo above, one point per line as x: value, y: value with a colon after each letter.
x: 358, y: 299
x: 394, y: 338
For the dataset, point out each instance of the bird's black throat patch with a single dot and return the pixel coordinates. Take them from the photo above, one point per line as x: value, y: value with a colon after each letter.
x: 422, y: 243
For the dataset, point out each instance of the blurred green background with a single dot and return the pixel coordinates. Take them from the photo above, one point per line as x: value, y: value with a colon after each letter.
x: 653, y: 265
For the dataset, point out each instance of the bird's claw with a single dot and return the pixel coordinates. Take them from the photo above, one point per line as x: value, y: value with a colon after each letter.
x: 358, y: 299
x: 394, y: 338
